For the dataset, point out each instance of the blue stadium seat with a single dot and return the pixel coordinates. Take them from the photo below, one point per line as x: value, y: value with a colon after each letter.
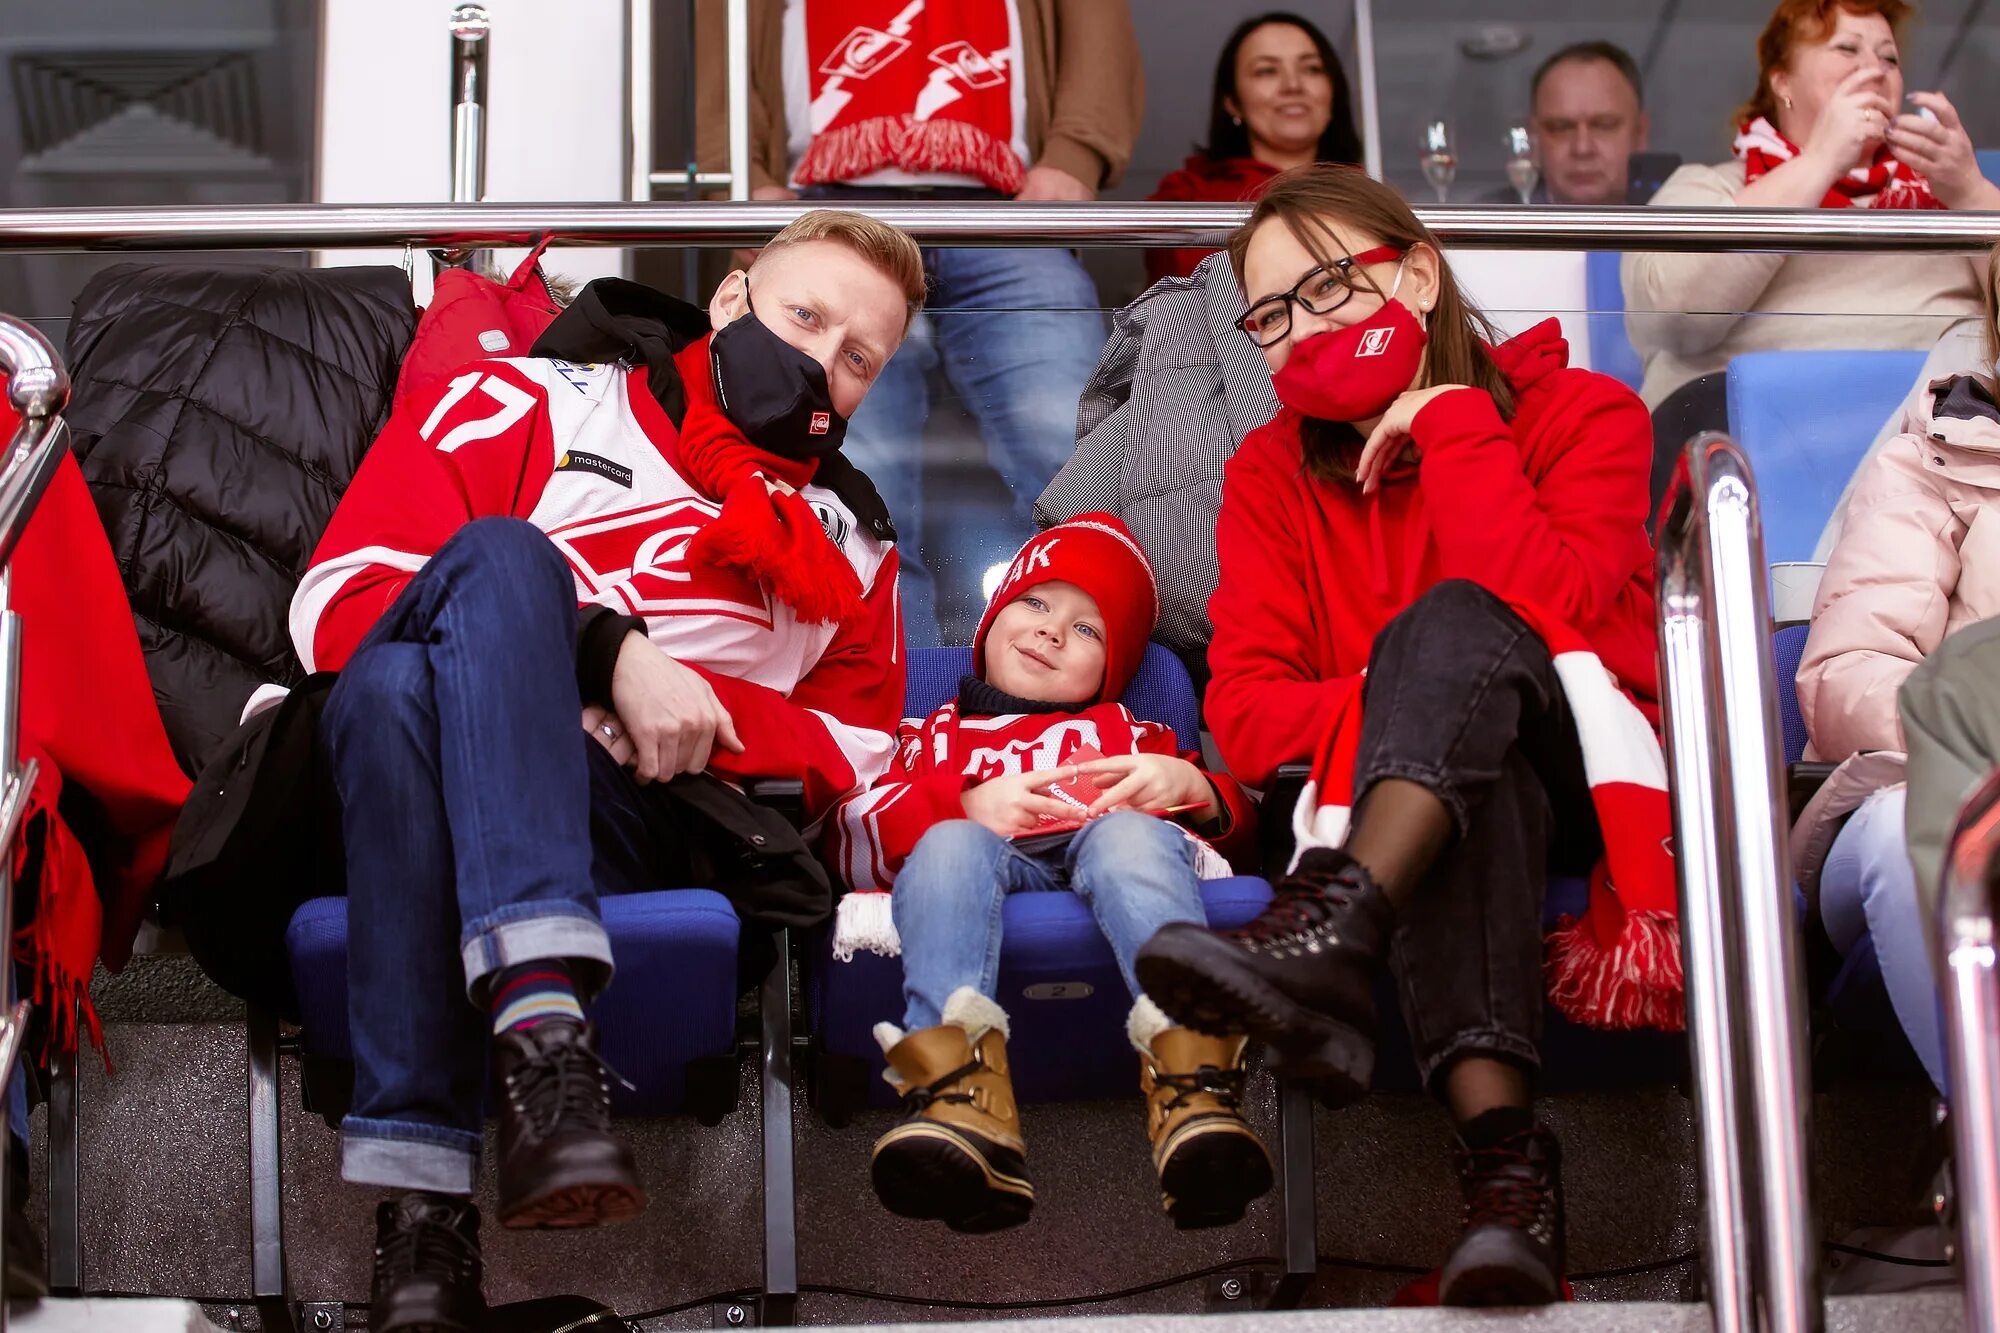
x: 1989, y: 163
x: 676, y: 952
x: 1805, y: 419
x: 1058, y: 983
x: 1611, y: 350
x: 1788, y: 645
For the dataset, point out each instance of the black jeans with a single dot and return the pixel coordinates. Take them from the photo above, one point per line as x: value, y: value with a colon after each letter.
x: 1462, y: 698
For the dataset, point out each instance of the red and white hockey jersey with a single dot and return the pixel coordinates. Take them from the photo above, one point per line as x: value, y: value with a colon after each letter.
x: 585, y: 453
x: 942, y: 756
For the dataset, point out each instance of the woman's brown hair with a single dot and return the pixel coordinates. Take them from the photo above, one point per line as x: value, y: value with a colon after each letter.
x: 1306, y: 199
x: 1990, y: 303
x: 1797, y: 23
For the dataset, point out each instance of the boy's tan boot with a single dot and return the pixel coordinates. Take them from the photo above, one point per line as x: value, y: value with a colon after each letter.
x: 1210, y: 1162
x: 958, y: 1155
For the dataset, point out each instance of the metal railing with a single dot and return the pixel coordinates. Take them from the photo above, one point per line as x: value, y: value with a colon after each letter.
x: 999, y: 223
x: 1739, y: 931
x: 37, y: 388
x: 471, y: 33
x: 1972, y: 1037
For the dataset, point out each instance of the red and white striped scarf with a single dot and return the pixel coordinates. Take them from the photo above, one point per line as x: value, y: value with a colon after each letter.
x: 1891, y: 183
x: 922, y: 85
x: 1619, y: 964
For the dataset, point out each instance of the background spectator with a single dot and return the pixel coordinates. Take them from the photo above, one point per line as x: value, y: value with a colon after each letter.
x: 1588, y: 117
x: 1280, y: 100
x: 956, y: 103
x: 1822, y: 131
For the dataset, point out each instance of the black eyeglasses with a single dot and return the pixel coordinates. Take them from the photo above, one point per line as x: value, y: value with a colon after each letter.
x: 1321, y: 292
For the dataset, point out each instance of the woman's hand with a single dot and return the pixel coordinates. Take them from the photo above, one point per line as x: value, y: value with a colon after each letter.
x: 605, y: 728
x: 669, y: 712
x: 1147, y: 782
x: 1018, y: 802
x: 1942, y: 150
x: 1851, y: 125
x: 1391, y: 435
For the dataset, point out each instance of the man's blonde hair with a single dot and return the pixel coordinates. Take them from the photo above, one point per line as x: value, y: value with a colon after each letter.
x: 889, y: 249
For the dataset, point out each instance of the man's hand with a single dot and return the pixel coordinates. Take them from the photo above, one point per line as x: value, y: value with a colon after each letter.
x: 1148, y: 782
x: 605, y: 728
x: 1016, y: 803
x: 1054, y: 183
x: 669, y: 713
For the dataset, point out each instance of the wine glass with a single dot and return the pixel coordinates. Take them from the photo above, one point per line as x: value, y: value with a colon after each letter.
x: 1521, y: 170
x: 1439, y: 157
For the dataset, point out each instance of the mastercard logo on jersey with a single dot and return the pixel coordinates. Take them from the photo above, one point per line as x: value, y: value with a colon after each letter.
x: 637, y: 560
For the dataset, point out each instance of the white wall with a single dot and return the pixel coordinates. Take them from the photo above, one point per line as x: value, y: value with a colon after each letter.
x: 555, y: 108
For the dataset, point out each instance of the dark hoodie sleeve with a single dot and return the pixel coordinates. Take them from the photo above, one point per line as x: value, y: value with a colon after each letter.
x: 600, y: 633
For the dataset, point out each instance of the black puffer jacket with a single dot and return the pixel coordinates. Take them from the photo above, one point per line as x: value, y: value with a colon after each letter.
x: 219, y: 414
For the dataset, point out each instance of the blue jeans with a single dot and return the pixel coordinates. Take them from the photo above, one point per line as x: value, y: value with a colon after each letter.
x: 1868, y: 886
x: 1136, y: 872
x: 1017, y: 333
x: 481, y: 823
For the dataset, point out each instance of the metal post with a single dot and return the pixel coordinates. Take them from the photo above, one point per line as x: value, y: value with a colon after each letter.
x: 739, y: 99
x: 1742, y: 966
x: 470, y: 27
x: 1705, y: 935
x: 1298, y: 1222
x: 639, y: 99
x: 1972, y: 1038
x: 781, y: 1213
x: 268, y: 1286
x: 1371, y: 103
x: 65, y: 1180
x: 38, y: 389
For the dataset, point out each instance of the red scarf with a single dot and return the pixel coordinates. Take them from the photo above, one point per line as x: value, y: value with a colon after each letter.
x: 1619, y: 964
x: 1893, y: 183
x: 924, y: 91
x: 771, y: 536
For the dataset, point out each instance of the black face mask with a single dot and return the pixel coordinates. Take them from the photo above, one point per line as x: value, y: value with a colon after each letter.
x: 771, y: 391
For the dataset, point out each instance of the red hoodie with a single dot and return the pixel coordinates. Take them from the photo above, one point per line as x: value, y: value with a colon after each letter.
x: 1549, y: 508
x: 1203, y: 179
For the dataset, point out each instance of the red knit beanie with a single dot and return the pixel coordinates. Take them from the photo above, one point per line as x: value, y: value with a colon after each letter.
x: 1099, y: 555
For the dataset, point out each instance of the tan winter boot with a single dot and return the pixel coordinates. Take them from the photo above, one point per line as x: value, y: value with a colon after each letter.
x: 958, y: 1156
x: 1210, y: 1162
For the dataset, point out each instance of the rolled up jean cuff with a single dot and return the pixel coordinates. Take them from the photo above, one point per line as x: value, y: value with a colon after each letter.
x: 1488, y: 1043
x: 409, y: 1155
x: 525, y: 932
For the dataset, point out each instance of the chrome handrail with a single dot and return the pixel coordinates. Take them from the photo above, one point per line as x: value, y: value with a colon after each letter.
x: 1740, y: 956
x: 1972, y: 1038
x: 471, y: 38
x: 997, y: 223
x: 37, y: 388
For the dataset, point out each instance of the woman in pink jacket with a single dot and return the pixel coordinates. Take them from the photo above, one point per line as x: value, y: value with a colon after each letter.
x: 1918, y: 559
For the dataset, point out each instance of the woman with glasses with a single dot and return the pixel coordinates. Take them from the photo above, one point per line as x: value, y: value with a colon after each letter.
x: 1395, y: 545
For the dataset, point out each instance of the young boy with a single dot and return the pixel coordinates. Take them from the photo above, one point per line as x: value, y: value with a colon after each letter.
x: 974, y: 810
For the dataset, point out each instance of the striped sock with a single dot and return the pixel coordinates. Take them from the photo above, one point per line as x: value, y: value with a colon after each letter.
x: 527, y: 993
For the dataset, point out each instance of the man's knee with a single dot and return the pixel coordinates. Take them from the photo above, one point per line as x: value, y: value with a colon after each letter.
x: 514, y: 554
x: 383, y: 684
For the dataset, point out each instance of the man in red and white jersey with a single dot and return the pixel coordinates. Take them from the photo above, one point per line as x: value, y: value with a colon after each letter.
x: 646, y: 527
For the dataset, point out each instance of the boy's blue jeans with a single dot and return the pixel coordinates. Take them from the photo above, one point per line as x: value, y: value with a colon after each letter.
x: 1136, y: 872
x: 481, y: 825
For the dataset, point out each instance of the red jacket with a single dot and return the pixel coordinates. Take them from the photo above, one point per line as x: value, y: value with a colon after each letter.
x: 1549, y: 508
x: 585, y: 453
x: 1203, y: 179
x: 939, y: 758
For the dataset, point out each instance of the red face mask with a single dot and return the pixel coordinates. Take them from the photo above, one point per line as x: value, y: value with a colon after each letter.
x: 1354, y: 373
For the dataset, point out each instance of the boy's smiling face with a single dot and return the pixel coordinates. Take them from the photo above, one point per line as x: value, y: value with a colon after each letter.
x: 1047, y: 645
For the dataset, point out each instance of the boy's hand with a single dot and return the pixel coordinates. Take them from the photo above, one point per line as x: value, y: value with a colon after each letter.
x: 1148, y: 782
x: 1017, y: 803
x: 669, y: 711
x: 605, y: 728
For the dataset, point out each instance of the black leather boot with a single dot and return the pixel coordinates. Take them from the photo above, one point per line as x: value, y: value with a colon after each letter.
x: 427, y: 1266
x: 1510, y: 1244
x: 1300, y: 977
x: 560, y: 1164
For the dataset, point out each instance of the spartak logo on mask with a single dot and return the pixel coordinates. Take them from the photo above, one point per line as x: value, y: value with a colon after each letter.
x: 1375, y: 342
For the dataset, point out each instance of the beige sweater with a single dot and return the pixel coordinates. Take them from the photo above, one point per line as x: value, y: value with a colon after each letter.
x: 1085, y: 88
x: 1873, y: 301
